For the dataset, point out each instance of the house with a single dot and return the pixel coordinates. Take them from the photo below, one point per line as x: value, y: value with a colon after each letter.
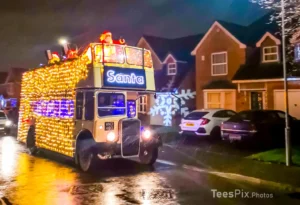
x: 240, y: 67
x: 10, y: 87
x: 174, y: 78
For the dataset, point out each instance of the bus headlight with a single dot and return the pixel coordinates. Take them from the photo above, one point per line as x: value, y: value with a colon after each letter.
x: 8, y: 123
x: 147, y: 134
x: 111, y: 137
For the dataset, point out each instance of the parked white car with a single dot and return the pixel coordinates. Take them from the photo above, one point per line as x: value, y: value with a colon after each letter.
x: 5, y: 124
x: 205, y: 122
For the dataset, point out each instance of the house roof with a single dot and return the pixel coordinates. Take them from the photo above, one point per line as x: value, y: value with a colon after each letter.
x: 251, y: 34
x: 167, y: 83
x: 15, y: 74
x: 3, y: 76
x: 262, y: 71
x: 244, y: 35
x: 180, y: 48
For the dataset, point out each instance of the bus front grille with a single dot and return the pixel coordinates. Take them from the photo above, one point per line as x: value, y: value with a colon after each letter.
x: 131, y: 137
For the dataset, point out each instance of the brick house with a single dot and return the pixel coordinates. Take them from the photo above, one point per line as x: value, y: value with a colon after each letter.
x: 10, y: 86
x: 239, y: 68
x: 174, y: 72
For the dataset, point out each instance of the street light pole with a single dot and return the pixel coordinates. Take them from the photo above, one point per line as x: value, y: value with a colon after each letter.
x: 287, y: 128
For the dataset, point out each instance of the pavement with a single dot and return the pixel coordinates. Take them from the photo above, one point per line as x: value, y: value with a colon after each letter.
x: 229, y: 158
x: 49, y: 179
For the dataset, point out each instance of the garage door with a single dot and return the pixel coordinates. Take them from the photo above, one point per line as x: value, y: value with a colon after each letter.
x: 294, y: 102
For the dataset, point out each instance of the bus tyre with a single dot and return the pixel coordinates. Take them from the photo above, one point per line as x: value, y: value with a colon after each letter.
x: 148, y: 156
x: 85, y: 155
x: 30, y: 141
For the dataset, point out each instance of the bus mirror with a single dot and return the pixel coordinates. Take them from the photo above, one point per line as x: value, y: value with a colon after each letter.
x: 155, y: 96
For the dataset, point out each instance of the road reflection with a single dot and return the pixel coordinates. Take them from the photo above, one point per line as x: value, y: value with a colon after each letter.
x: 25, y: 179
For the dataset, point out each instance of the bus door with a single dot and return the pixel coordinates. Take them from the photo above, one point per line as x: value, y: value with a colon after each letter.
x: 85, y: 106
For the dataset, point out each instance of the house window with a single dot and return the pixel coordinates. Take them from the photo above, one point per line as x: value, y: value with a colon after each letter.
x: 219, y: 99
x: 297, y: 52
x: 172, y: 69
x: 219, y: 63
x: 143, y: 104
x: 270, y: 54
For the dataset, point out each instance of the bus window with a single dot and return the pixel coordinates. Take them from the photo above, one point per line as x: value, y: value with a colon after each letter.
x: 79, y: 105
x: 89, y: 106
x: 112, y: 54
x: 111, y: 104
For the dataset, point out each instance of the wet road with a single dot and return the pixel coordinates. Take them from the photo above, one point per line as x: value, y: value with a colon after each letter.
x: 48, y: 179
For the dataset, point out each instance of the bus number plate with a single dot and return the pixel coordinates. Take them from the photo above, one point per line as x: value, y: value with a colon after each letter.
x: 109, y: 125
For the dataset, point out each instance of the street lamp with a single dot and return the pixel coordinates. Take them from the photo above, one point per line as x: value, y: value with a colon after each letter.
x: 63, y: 41
x: 287, y: 127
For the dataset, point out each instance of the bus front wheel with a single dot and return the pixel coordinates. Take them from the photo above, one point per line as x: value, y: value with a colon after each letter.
x: 148, y: 156
x: 85, y: 156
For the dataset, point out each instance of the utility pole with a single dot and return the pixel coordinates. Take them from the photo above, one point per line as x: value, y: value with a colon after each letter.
x: 288, y: 158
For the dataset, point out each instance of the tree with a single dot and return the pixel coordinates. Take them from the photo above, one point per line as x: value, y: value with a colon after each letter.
x: 291, y: 22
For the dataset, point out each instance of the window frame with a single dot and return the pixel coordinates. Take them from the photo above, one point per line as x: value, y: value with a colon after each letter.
x: 85, y: 107
x: 81, y: 108
x: 222, y: 93
x: 109, y: 116
x: 175, y: 68
x: 270, y: 54
x: 143, y: 102
x: 213, y: 64
x: 297, y: 46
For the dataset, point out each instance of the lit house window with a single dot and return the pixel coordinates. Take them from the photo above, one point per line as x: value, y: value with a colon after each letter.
x: 270, y: 54
x: 219, y: 63
x: 297, y: 52
x: 172, y: 69
x: 219, y: 99
x: 143, y: 104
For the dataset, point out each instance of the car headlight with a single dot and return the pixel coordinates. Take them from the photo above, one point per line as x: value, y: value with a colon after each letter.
x: 8, y: 123
x: 111, y: 137
x: 147, y: 134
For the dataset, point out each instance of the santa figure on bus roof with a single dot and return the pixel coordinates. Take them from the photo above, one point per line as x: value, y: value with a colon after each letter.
x: 106, y: 37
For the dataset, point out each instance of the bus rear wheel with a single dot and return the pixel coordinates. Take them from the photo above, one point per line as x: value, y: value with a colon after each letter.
x: 148, y: 156
x: 85, y: 155
x: 30, y: 141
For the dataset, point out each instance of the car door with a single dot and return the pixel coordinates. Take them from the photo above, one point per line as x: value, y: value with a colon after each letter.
x: 218, y: 118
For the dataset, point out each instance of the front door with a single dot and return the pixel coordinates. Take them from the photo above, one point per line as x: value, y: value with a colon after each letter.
x: 256, y: 100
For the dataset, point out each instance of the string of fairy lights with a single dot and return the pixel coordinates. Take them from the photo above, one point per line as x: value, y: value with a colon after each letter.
x: 57, y: 83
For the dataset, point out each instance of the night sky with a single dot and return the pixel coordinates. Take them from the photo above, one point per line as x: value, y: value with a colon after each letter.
x: 29, y: 27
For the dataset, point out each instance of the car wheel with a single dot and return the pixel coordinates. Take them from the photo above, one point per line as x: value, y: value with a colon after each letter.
x: 6, y: 131
x: 148, y: 156
x: 85, y: 155
x: 216, y: 133
x: 30, y: 141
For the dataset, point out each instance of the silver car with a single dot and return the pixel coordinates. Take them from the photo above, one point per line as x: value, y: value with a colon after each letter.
x: 5, y: 123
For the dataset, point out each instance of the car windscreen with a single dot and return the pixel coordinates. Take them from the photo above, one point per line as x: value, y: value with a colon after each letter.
x: 195, y: 115
x: 2, y: 115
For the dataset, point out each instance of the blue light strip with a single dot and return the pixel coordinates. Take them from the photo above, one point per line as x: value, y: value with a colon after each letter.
x: 54, y: 108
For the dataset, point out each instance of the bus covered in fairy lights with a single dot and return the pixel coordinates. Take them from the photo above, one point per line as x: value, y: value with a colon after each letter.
x: 85, y: 106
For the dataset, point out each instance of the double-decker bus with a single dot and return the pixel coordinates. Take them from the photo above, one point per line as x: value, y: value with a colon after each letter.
x: 85, y: 107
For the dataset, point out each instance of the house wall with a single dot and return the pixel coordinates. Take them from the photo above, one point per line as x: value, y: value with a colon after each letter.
x: 243, y: 97
x: 156, y: 62
x: 216, y: 41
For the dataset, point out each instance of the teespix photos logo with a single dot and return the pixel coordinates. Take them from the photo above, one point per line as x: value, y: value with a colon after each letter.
x: 240, y: 193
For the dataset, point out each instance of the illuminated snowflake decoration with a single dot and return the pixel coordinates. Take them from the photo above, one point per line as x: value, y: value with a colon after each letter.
x: 167, y: 105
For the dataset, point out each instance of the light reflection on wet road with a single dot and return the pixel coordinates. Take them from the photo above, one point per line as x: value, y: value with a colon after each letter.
x: 25, y: 179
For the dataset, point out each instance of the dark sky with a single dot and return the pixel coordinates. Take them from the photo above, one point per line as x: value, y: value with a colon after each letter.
x: 28, y: 27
